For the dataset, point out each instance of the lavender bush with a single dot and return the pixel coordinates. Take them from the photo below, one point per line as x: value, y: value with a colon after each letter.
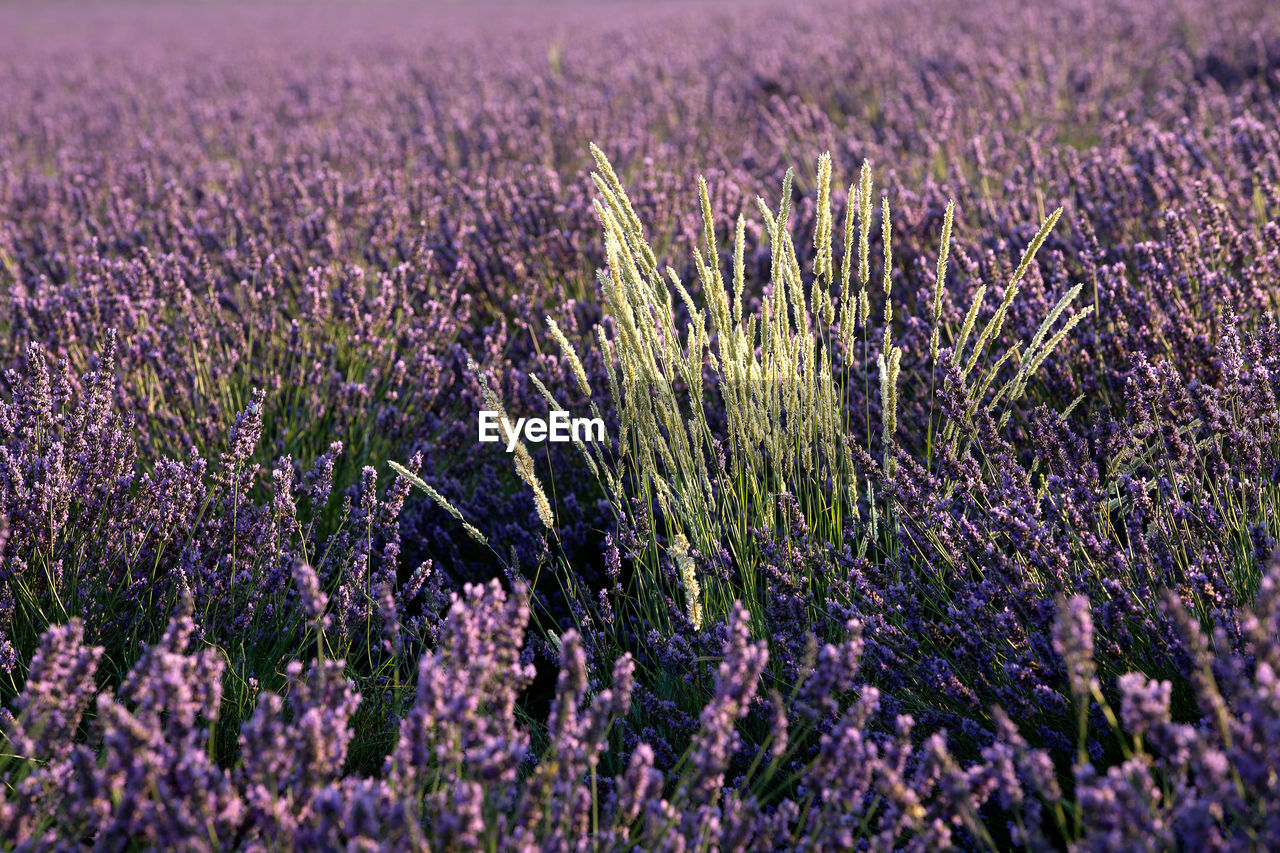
x: 461, y: 774
x: 939, y: 505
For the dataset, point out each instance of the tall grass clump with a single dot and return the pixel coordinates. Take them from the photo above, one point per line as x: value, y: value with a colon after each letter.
x: 727, y: 414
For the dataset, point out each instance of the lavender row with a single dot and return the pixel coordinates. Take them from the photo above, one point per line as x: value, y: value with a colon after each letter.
x: 462, y: 776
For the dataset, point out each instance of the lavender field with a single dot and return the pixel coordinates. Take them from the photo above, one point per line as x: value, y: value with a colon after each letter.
x: 937, y: 353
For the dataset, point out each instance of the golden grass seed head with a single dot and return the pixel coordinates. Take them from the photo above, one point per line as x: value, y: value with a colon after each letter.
x: 886, y: 237
x: 575, y: 364
x: 944, y: 249
x: 822, y: 224
x: 846, y: 285
x: 524, y: 468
